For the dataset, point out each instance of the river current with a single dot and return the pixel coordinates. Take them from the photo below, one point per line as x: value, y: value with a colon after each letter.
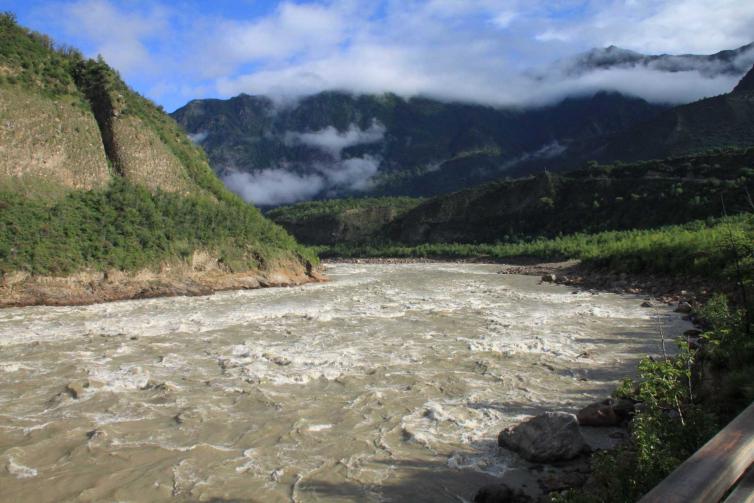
x: 388, y: 383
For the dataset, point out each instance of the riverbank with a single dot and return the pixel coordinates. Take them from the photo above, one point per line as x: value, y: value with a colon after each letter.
x: 19, y: 289
x: 669, y: 289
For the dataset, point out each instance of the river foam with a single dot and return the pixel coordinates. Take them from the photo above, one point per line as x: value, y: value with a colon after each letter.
x: 390, y: 382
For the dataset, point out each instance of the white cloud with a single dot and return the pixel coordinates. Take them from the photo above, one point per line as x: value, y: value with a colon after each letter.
x: 504, y: 19
x: 333, y: 141
x: 478, y: 51
x: 355, y: 173
x: 279, y: 185
x: 117, y: 34
x: 198, y: 137
x: 274, y: 186
x: 415, y: 51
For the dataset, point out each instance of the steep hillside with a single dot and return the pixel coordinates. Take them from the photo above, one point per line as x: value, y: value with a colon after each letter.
x: 341, y: 220
x: 49, y: 140
x: 598, y: 198
x: 719, y: 122
x: 336, y: 144
x: 643, y: 195
x: 95, y: 177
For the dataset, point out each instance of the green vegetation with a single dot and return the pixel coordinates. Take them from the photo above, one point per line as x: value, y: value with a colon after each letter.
x: 699, y: 248
x: 30, y: 59
x: 341, y: 220
x: 309, y: 209
x: 127, y: 227
x: 596, y: 198
x: 679, y: 411
x: 155, y: 198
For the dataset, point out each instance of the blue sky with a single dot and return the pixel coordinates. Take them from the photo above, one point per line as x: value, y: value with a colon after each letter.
x: 472, y: 50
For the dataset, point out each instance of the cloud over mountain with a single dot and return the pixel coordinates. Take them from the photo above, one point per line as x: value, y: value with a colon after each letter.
x: 487, y: 51
x: 281, y: 185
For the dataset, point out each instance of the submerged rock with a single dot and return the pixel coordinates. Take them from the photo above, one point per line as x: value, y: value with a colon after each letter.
x: 76, y: 389
x: 546, y: 438
x: 608, y: 412
x: 500, y: 493
x: 683, y: 308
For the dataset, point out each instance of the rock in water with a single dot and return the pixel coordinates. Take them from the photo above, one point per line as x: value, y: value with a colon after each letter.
x: 546, y: 438
x: 683, y: 308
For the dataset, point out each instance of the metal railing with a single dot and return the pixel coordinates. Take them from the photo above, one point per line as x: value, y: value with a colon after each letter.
x: 723, y: 463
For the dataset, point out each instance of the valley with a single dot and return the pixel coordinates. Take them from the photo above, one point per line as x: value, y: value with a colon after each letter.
x: 510, y: 266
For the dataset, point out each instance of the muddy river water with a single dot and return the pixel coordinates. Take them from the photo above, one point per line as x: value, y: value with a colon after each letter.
x: 389, y: 383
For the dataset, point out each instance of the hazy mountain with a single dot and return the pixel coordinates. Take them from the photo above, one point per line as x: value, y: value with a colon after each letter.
x: 722, y: 121
x: 335, y: 144
x: 730, y: 62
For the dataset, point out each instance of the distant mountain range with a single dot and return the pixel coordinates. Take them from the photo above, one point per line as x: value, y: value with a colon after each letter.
x: 335, y: 144
x: 730, y: 62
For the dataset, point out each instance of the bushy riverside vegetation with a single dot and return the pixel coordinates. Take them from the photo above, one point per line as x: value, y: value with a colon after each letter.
x: 679, y: 413
x: 700, y: 248
x: 127, y: 227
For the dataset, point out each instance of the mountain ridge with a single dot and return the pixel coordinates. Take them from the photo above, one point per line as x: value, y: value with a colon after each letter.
x: 271, y: 153
x: 428, y: 146
x: 726, y: 62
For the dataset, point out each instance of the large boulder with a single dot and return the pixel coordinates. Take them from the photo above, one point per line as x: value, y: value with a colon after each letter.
x: 546, y: 438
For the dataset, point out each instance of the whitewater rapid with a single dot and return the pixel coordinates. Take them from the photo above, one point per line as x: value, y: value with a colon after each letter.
x: 388, y: 383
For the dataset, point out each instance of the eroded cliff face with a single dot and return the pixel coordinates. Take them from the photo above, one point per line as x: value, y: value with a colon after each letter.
x: 79, y: 137
x: 78, y: 148
x: 52, y: 143
x: 143, y: 159
x: 202, y: 274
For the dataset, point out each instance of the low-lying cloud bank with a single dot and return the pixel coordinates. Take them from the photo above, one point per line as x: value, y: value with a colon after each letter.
x: 666, y: 79
x: 282, y: 185
x: 497, y: 52
x: 333, y: 141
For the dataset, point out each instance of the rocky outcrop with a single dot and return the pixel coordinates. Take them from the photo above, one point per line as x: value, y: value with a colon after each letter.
x: 144, y: 159
x: 546, y: 438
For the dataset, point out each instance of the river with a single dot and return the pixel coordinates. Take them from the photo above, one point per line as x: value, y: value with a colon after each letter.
x: 388, y: 383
